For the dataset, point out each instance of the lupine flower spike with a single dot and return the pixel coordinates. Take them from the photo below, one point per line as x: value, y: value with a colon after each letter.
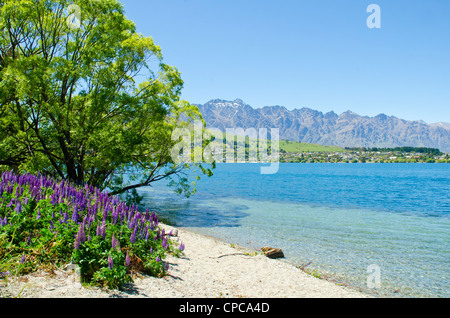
x: 87, y: 212
x: 110, y: 262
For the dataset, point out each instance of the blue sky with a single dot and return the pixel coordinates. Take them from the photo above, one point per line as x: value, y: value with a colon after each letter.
x: 318, y: 54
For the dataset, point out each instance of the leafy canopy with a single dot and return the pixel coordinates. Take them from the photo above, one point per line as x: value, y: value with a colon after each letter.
x: 70, y: 106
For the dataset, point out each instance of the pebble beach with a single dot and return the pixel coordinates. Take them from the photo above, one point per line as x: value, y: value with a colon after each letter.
x: 209, y: 268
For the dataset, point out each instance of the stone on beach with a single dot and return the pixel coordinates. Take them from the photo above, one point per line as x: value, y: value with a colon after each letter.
x: 273, y: 253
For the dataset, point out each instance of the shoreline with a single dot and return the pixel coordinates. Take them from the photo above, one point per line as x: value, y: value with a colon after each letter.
x: 210, y: 268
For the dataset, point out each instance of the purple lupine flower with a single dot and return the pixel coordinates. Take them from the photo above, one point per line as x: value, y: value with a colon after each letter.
x: 135, y: 220
x: 133, y: 237
x: 110, y: 262
x: 18, y: 191
x: 158, y: 259
x: 64, y: 219
x: 81, y: 236
x: 115, y: 215
x: 103, y: 230
x: 82, y: 231
x: 127, y: 259
x: 77, y: 242
x: 181, y: 248
x: 105, y: 212
x: 115, y: 242
x: 98, y: 231
x: 165, y: 244
x: 22, y: 260
x: 129, y: 217
x: 75, y: 214
x: 90, y: 219
x: 38, y: 214
x: 138, y: 215
x: 151, y: 250
x: 18, y: 208
x: 122, y: 216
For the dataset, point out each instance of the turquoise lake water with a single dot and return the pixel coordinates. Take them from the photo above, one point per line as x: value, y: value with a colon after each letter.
x: 338, y: 218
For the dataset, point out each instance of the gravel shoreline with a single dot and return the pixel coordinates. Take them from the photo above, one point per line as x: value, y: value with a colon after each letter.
x: 209, y: 269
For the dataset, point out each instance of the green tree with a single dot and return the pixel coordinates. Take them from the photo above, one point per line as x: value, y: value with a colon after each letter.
x: 70, y: 106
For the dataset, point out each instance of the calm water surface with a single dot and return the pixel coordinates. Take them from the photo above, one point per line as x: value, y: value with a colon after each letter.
x: 340, y: 218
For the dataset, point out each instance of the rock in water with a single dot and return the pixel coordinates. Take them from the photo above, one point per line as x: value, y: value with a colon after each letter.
x: 273, y: 253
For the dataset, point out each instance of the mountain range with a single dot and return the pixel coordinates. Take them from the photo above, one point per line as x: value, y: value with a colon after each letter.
x: 311, y: 126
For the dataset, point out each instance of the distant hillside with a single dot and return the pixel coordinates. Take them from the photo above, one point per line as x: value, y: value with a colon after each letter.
x: 297, y: 147
x: 310, y: 126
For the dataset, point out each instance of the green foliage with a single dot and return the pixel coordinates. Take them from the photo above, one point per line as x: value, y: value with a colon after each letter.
x: 69, y: 103
x: 112, y: 278
x: 421, y: 150
x: 53, y: 225
x: 93, y: 261
x: 298, y: 147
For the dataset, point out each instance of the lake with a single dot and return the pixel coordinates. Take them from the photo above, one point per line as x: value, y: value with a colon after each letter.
x: 342, y: 220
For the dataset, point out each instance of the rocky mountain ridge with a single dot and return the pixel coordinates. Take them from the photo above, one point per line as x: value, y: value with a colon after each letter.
x: 311, y: 126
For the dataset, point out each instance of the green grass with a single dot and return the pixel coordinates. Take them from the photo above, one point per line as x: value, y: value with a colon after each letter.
x: 298, y: 147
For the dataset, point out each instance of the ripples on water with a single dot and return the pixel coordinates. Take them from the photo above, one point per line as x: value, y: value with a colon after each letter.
x: 340, y: 217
